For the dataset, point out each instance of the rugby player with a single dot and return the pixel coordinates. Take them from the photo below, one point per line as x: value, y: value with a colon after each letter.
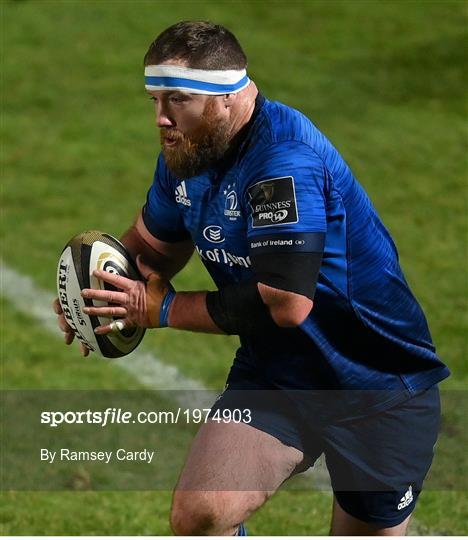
x: 307, y: 276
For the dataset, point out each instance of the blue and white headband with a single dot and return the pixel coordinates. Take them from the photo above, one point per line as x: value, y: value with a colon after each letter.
x: 195, y: 81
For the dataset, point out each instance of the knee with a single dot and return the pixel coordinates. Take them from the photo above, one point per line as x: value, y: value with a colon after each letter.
x: 211, y: 512
x: 192, y: 515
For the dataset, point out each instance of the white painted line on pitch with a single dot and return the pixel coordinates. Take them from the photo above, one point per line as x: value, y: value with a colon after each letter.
x: 144, y: 367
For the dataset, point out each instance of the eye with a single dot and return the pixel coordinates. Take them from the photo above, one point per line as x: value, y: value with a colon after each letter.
x: 178, y: 99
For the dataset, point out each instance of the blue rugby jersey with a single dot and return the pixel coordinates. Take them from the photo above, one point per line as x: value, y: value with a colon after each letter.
x: 286, y: 188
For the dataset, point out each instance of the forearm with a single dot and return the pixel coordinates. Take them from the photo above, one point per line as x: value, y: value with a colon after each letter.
x: 237, y: 309
x: 270, y: 308
x: 188, y: 312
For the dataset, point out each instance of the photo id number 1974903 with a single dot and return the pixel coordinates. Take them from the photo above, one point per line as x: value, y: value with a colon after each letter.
x: 225, y: 416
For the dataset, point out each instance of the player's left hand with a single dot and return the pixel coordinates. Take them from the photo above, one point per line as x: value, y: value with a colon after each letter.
x: 137, y: 303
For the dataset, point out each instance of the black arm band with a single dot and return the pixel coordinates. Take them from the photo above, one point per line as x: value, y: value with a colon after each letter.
x: 291, y: 271
x: 239, y: 309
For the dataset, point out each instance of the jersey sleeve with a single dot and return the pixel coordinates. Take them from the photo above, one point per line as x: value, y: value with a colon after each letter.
x: 161, y: 214
x: 284, y: 199
x: 286, y: 220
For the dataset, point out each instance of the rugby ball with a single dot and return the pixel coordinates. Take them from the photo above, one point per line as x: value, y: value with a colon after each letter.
x: 84, y: 253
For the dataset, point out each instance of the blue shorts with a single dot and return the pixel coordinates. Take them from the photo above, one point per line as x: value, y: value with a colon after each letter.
x: 377, y: 462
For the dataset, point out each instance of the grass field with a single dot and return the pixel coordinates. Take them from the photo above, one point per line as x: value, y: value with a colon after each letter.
x: 384, y: 80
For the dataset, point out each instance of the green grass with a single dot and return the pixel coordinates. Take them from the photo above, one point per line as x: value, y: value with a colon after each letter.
x: 384, y: 80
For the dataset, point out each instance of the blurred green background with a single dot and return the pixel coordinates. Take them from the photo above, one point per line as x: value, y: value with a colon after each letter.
x: 385, y: 81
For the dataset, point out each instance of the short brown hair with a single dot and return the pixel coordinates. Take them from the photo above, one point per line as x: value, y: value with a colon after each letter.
x: 202, y: 44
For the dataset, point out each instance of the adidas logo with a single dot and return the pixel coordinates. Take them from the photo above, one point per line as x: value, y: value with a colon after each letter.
x: 181, y: 195
x: 406, y: 499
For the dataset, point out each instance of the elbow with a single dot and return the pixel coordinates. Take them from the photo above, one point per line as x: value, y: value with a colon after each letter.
x: 287, y: 309
x: 292, y: 311
x: 286, y: 317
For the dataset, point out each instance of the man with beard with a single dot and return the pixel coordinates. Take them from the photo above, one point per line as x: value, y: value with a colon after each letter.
x: 335, y: 355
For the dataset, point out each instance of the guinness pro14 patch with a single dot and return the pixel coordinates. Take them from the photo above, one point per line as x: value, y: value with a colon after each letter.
x: 273, y: 202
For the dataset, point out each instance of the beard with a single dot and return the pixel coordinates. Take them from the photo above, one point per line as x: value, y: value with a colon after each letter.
x: 201, y: 149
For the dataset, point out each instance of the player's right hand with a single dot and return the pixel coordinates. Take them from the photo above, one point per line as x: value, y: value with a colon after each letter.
x: 69, y: 334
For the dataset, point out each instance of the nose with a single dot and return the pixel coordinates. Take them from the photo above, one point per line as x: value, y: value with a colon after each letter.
x: 162, y: 117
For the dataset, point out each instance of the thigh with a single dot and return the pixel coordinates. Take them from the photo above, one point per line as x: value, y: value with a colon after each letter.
x: 237, y: 457
x: 378, y: 464
x: 343, y: 524
x: 231, y: 470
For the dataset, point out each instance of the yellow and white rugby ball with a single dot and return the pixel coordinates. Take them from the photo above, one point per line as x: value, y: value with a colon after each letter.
x: 84, y: 253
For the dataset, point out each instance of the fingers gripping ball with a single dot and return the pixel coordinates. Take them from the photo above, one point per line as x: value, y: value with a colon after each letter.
x: 84, y: 253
